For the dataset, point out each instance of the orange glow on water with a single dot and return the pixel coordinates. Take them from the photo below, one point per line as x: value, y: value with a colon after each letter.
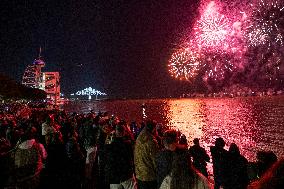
x: 208, y: 120
x: 186, y: 118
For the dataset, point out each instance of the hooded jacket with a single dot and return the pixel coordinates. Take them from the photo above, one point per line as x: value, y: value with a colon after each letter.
x: 146, y: 149
x: 28, y: 159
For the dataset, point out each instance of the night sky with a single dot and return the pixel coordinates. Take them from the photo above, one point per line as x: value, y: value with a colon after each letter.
x: 116, y: 46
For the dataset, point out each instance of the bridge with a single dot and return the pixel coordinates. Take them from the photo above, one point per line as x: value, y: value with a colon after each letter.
x: 89, y: 92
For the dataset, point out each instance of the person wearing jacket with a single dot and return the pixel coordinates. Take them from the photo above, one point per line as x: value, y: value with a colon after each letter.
x: 145, y: 151
x: 174, y: 170
x: 238, y: 171
x: 220, y: 163
x: 199, y: 156
x: 75, y: 160
x: 29, y: 156
x: 119, y: 168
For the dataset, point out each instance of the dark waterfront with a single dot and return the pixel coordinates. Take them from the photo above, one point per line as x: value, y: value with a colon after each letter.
x: 253, y: 123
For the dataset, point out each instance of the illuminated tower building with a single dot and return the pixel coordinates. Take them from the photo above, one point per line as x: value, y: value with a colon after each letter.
x: 33, y: 76
x: 48, y: 81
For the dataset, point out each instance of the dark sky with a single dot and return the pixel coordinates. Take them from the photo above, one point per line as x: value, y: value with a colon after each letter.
x: 120, y: 47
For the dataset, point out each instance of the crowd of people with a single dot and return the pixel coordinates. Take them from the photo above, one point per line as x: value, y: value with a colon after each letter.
x: 42, y: 148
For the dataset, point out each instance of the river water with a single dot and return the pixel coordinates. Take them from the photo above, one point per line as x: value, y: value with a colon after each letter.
x: 253, y: 123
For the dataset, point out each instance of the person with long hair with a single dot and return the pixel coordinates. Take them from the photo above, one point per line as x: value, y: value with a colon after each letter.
x: 174, y: 170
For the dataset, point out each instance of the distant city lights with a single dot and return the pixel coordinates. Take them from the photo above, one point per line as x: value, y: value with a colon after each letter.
x: 89, y: 92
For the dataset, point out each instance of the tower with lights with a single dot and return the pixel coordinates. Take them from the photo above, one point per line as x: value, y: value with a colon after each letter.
x: 33, y: 75
x: 48, y: 81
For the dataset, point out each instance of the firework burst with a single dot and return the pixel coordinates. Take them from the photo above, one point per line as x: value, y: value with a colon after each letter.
x: 184, y: 64
x: 218, y: 66
x: 228, y: 42
x: 265, y: 26
x: 212, y: 30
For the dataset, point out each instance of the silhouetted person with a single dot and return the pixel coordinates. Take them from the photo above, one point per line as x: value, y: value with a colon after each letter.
x: 134, y: 128
x: 75, y: 160
x: 237, y: 165
x: 174, y: 169
x: 119, y: 167
x: 56, y: 163
x: 265, y: 159
x: 99, y: 167
x: 183, y: 140
x: 273, y: 178
x: 200, y: 157
x: 5, y: 162
x: 219, y: 157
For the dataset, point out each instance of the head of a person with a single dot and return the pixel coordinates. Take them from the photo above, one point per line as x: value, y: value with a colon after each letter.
x: 183, y: 140
x: 196, y: 141
x: 219, y: 142
x: 29, y: 134
x: 170, y: 138
x: 151, y: 126
x: 234, y: 149
x: 70, y: 129
x: 49, y: 118
x: 105, y: 114
x: 119, y: 130
x: 122, y: 123
x: 58, y: 138
x: 266, y: 157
